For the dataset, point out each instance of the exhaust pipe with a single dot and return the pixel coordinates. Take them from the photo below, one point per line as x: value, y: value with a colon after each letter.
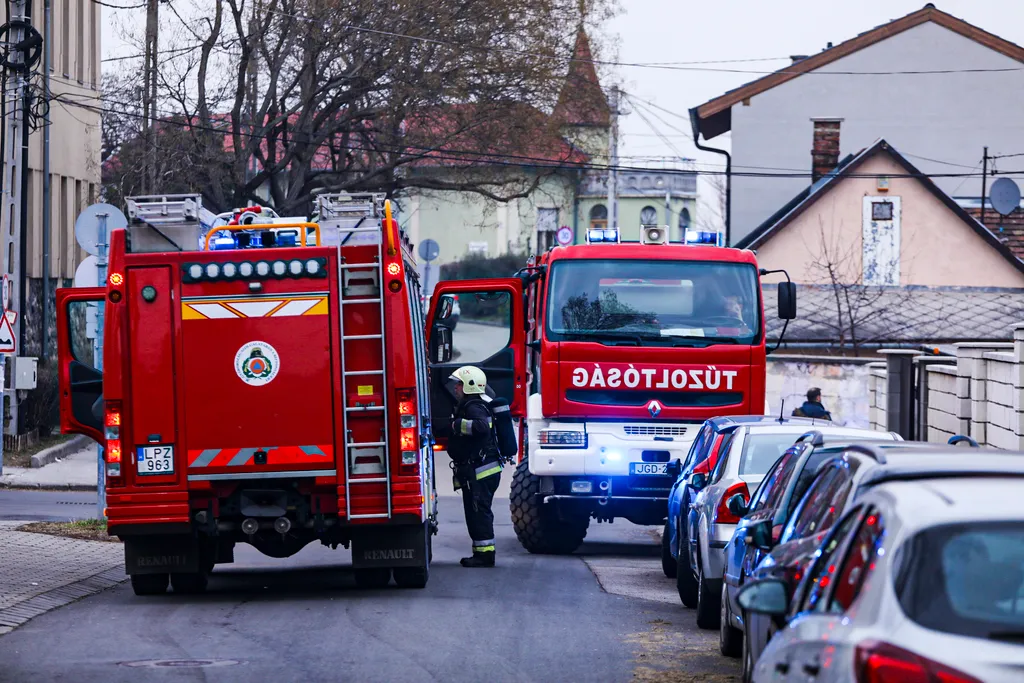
x: 250, y: 526
x: 282, y: 525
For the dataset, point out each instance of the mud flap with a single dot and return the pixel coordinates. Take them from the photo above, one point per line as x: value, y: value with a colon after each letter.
x: 397, y: 546
x: 161, y: 555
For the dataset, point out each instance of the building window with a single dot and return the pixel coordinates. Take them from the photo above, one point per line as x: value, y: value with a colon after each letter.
x: 547, y: 228
x: 599, y: 217
x: 881, y: 211
x: 684, y: 220
x: 881, y: 241
x: 648, y: 216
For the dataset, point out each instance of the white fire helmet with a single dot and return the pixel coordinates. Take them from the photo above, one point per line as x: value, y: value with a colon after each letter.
x: 473, y: 379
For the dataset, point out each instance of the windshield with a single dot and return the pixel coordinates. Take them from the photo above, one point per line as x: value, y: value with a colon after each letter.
x: 652, y: 302
x: 966, y: 579
x: 760, y: 451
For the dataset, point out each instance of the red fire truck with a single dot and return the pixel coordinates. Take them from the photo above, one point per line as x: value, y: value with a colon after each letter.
x: 616, y: 353
x: 263, y: 382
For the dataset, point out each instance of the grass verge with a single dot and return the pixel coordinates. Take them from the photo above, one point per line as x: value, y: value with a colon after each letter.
x: 84, y: 529
x: 22, y: 457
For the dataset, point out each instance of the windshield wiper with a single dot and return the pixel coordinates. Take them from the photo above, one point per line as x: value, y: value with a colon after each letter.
x: 1012, y: 636
x: 699, y: 338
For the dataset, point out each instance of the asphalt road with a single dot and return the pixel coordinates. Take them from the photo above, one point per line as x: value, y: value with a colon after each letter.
x: 46, y: 506
x: 533, y: 618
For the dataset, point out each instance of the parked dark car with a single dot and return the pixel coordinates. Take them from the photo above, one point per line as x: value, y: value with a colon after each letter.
x: 837, y: 485
x: 702, y: 457
x: 773, y: 502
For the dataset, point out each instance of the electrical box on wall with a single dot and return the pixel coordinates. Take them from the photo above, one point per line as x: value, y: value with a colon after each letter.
x: 23, y: 372
x: 882, y: 183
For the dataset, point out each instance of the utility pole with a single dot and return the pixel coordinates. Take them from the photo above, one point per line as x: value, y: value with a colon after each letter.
x: 47, y: 209
x: 613, y: 161
x: 984, y: 183
x: 149, y: 93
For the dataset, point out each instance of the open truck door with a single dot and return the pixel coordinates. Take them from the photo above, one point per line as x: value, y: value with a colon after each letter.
x: 480, y: 323
x: 81, y: 384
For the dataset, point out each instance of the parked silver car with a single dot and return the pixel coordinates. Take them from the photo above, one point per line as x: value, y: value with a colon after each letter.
x: 922, y: 580
x: 744, y: 458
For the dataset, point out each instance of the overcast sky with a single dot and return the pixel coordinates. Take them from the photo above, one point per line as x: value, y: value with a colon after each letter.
x: 688, y: 31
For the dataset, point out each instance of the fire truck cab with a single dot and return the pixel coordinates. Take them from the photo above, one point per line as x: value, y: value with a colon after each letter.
x: 263, y: 382
x: 616, y: 353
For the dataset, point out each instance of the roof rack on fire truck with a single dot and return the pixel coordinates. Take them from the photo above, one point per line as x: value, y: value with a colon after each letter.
x: 350, y: 219
x: 157, y: 222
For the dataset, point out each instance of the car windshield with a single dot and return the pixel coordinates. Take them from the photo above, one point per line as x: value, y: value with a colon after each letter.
x: 760, y: 451
x: 966, y: 579
x: 653, y: 302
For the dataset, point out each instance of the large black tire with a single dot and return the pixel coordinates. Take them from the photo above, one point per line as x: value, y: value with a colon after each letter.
x: 149, y: 584
x: 373, y: 577
x: 709, y: 595
x: 668, y: 563
x: 190, y: 583
x: 537, y: 528
x: 730, y: 638
x: 748, y: 661
x: 416, y: 577
x: 686, y: 584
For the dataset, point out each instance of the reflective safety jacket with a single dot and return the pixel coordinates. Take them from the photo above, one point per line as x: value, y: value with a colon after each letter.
x: 472, y: 442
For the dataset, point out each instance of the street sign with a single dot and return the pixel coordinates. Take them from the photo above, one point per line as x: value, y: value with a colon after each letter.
x: 1004, y: 196
x: 87, y: 274
x: 12, y: 316
x: 429, y: 250
x: 564, y: 236
x: 87, y: 225
x: 5, y: 292
x: 7, y: 338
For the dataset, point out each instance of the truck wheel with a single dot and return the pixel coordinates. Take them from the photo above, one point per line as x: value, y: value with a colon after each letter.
x: 538, y: 530
x: 668, y: 563
x: 190, y: 583
x: 709, y: 592
x: 416, y: 577
x: 372, y: 578
x: 149, y: 584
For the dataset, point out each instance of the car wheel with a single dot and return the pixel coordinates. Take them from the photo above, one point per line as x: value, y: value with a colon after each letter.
x: 748, y: 661
x: 730, y: 638
x: 668, y: 563
x: 686, y: 584
x: 709, y: 593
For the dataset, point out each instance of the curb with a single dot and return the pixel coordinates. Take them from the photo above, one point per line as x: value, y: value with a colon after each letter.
x: 19, y: 613
x: 54, y: 453
x: 48, y: 487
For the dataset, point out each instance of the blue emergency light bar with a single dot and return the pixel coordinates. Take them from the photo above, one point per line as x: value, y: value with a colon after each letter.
x: 255, y: 239
x: 714, y: 239
x: 598, y: 235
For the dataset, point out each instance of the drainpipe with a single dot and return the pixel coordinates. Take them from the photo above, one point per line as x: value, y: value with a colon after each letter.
x: 694, y: 123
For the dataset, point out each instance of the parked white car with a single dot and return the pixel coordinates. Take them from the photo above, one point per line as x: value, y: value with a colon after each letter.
x: 923, y: 580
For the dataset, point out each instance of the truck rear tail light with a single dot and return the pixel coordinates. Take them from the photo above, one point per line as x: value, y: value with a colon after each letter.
x: 407, y: 439
x: 395, y: 286
x: 880, y: 662
x: 410, y: 458
x: 722, y: 514
x: 113, y: 451
x: 562, y: 438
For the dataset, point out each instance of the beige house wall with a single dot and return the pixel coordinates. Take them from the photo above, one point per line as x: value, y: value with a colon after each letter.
x: 937, y: 247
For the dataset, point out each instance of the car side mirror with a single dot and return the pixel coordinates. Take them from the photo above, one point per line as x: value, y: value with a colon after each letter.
x: 698, y: 481
x: 766, y: 596
x: 444, y: 307
x: 441, y: 344
x: 760, y: 535
x: 674, y: 468
x: 737, y: 505
x: 787, y: 301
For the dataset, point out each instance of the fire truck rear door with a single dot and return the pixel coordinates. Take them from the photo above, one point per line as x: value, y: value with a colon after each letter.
x: 484, y: 321
x: 81, y: 384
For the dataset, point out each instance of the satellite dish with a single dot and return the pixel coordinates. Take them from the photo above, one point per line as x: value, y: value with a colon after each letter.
x: 87, y: 226
x: 429, y: 250
x: 1004, y: 196
x: 87, y: 274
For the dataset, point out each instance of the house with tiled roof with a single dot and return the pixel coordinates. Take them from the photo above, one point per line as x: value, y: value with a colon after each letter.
x: 564, y: 160
x: 936, y: 87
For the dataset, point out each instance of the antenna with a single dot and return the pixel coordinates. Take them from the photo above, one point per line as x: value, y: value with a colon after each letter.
x: 1004, y: 196
x: 782, y: 410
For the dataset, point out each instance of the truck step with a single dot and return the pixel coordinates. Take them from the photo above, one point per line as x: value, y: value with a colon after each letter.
x: 374, y: 480
x: 375, y: 515
x: 365, y: 444
x: 362, y: 336
x: 362, y: 409
x: 353, y: 373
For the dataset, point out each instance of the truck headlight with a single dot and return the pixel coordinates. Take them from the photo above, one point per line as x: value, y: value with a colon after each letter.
x: 562, y: 438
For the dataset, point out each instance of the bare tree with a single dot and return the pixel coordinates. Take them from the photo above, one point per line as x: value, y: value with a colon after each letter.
x: 285, y: 98
x: 712, y: 214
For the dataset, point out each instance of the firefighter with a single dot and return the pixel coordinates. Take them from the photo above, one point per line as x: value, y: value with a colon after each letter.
x: 475, y: 460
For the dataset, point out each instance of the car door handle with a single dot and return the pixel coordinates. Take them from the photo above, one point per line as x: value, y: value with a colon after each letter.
x: 812, y: 667
x: 782, y: 667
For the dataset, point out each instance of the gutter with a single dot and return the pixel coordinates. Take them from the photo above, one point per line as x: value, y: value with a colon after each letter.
x: 695, y: 125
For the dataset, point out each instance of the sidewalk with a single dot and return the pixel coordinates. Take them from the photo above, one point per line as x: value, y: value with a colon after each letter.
x: 39, y: 572
x: 76, y: 472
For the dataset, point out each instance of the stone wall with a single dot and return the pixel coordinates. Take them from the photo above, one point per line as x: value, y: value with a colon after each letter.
x: 843, y: 382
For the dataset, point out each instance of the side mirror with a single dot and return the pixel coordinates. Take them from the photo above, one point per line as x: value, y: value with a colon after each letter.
x: 760, y: 535
x: 674, y: 468
x: 444, y: 307
x: 767, y: 596
x: 737, y: 505
x: 698, y: 481
x: 787, y: 301
x: 441, y: 344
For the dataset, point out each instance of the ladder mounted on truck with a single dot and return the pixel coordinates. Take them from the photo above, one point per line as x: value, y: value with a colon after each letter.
x: 350, y: 220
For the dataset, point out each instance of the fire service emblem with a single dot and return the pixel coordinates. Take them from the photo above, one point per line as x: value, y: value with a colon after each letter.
x: 257, y: 363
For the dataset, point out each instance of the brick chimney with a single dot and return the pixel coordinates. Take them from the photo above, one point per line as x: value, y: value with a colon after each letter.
x: 825, y: 150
